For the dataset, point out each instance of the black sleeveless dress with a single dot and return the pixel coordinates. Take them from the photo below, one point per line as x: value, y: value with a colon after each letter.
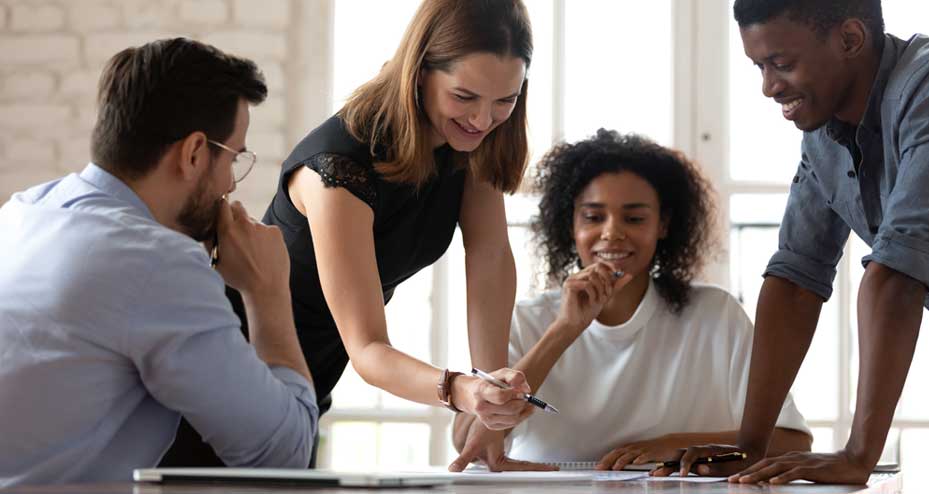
x: 412, y: 229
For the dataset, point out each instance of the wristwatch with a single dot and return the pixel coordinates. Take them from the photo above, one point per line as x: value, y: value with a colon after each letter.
x: 444, y: 387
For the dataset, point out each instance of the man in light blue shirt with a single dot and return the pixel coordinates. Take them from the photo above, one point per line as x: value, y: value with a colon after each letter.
x: 112, y: 322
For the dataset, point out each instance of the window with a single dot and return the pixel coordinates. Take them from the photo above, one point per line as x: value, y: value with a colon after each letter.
x: 674, y: 71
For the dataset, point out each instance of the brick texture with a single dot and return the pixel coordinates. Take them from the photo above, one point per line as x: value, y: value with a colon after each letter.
x: 42, y: 18
x: 52, y: 53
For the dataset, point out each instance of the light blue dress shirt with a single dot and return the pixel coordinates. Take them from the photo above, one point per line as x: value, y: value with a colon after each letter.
x: 112, y: 326
x: 872, y: 179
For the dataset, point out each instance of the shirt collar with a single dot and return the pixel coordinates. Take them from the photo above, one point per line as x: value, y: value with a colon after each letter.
x: 643, y: 313
x: 871, y: 120
x: 109, y: 184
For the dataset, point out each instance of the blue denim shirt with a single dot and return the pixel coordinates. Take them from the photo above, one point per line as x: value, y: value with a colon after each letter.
x: 112, y: 326
x: 884, y: 198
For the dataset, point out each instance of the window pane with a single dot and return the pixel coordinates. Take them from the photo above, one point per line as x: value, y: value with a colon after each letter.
x: 607, y: 51
x: 403, y: 446
x: 913, y: 452
x: 753, y: 239
x: 368, y: 446
x: 459, y: 357
x: 527, y: 284
x: 541, y: 14
x: 353, y: 392
x: 356, y: 59
x: 823, y: 439
x: 409, y: 321
x: 354, y: 445
x: 903, y: 18
x: 914, y: 403
x: 763, y: 146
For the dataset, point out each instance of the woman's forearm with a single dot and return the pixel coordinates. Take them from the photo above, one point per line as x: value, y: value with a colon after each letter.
x: 491, y: 287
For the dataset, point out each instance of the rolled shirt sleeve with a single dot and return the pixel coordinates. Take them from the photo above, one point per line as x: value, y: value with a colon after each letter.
x: 902, y: 240
x: 812, y: 235
x: 192, y: 358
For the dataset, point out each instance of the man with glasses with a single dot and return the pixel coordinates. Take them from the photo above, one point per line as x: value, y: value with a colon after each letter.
x: 113, y: 325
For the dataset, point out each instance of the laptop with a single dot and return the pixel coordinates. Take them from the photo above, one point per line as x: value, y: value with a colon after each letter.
x: 264, y: 476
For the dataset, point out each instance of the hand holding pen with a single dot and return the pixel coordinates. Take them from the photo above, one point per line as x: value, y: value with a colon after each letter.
x: 712, y: 460
x: 528, y: 397
x: 496, y: 407
x: 705, y: 460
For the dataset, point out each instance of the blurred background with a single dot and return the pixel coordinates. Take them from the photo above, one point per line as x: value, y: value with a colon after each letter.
x: 673, y: 70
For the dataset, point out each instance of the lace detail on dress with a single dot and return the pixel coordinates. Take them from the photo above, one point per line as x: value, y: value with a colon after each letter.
x: 340, y: 171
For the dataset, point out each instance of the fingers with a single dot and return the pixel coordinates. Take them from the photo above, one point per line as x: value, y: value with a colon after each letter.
x: 225, y: 215
x: 662, y: 472
x: 462, y: 462
x: 624, y: 460
x: 238, y: 211
x: 609, y: 459
x: 498, y: 422
x: 474, y: 445
x: 690, y: 456
x: 516, y: 379
x: 766, y: 472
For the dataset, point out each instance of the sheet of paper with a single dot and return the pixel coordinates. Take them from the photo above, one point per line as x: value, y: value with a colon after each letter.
x: 693, y: 479
x: 485, y: 477
x: 613, y: 476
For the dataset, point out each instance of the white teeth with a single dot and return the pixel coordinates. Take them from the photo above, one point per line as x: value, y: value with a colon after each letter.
x: 466, y: 129
x: 788, y: 107
x: 613, y: 256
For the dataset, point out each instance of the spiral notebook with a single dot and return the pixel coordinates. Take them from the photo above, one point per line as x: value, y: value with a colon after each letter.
x: 592, y: 465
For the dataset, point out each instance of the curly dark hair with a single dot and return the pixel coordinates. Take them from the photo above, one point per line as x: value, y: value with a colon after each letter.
x: 686, y: 199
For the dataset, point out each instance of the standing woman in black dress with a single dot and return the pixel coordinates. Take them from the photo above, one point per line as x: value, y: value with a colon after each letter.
x: 374, y: 194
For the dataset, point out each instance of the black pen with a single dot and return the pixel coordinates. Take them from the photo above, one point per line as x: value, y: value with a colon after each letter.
x: 500, y: 384
x: 723, y: 458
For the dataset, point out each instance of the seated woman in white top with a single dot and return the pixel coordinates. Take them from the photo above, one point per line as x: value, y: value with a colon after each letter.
x: 639, y: 360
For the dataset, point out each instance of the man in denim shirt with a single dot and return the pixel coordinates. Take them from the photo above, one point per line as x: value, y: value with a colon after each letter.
x: 862, y: 99
x: 113, y: 324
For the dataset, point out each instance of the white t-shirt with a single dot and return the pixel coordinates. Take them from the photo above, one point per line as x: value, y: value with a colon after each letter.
x: 656, y: 374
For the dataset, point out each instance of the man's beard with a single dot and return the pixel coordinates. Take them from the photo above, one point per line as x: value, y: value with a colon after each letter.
x: 200, y: 212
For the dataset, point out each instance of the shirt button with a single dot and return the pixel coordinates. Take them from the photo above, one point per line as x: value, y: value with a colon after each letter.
x: 851, y: 174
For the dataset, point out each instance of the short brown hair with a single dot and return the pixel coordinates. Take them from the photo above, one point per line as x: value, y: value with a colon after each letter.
x: 386, y: 112
x: 155, y: 94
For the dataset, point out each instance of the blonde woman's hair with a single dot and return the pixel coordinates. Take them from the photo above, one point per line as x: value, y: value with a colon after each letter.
x: 387, y: 112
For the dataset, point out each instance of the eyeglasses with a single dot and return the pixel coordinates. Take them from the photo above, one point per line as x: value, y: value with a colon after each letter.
x: 242, y: 163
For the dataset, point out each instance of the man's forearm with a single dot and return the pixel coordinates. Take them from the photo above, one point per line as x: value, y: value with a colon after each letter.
x: 785, y: 323
x: 271, y: 331
x: 890, y: 308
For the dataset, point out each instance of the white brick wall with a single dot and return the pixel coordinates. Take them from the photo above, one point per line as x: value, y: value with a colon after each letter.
x: 52, y: 52
x: 88, y: 17
x: 264, y: 14
x: 208, y: 12
x: 37, y: 18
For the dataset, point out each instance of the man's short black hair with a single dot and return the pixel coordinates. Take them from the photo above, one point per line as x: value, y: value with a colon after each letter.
x: 155, y: 94
x: 821, y: 15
